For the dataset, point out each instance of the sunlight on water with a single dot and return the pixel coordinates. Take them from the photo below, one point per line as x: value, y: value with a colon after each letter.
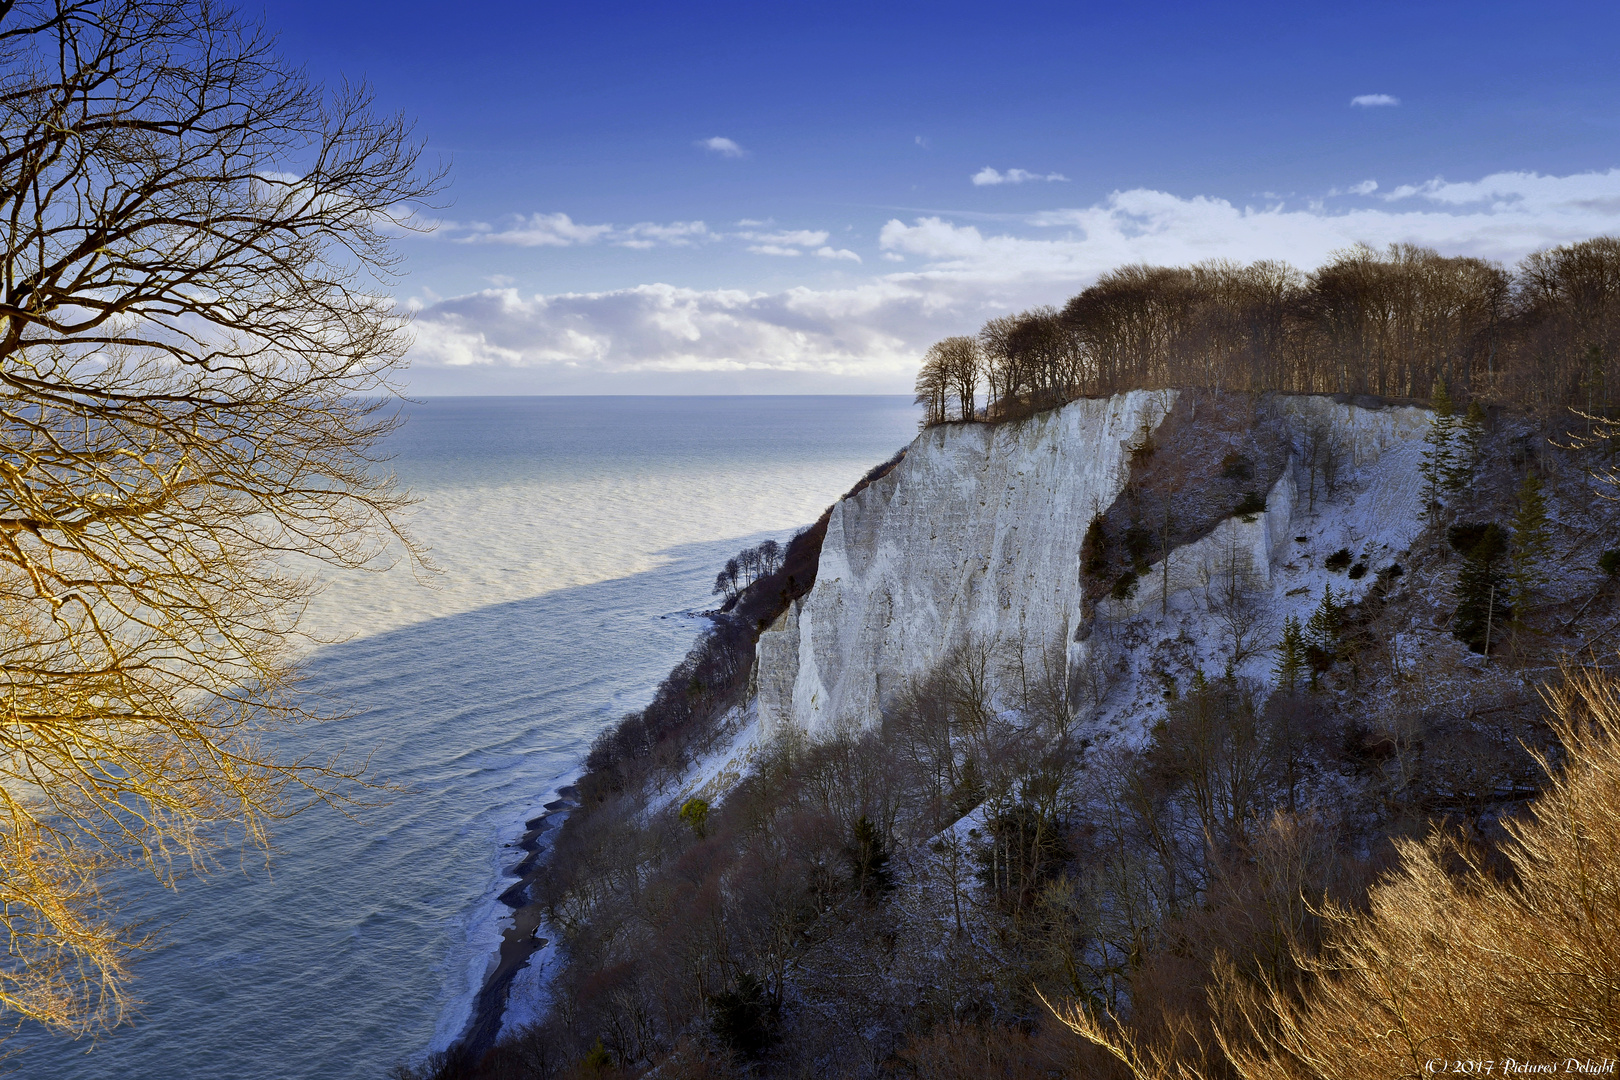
x: 575, y: 534
x: 612, y: 499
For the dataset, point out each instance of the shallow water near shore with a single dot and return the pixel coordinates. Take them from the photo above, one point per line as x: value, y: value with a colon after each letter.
x: 576, y: 536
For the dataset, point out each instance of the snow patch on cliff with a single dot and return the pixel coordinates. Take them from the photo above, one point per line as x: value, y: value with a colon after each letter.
x: 716, y: 772
x: 1142, y: 649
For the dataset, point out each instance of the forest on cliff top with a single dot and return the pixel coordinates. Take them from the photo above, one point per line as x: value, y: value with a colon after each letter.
x: 1545, y: 333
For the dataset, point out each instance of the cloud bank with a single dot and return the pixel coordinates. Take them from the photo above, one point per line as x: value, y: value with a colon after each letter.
x: 867, y: 336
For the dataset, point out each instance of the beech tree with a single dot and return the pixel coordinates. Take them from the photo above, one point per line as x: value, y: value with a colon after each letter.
x: 949, y: 375
x: 724, y: 584
x: 195, y: 349
x: 931, y: 387
x: 961, y: 365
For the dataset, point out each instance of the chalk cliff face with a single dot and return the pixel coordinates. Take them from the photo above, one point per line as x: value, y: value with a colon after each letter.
x: 977, y: 533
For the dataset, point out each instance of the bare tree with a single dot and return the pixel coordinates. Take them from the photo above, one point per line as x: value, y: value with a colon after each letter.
x: 1234, y: 595
x: 1000, y: 357
x: 1386, y: 322
x: 195, y: 345
x: 1091, y: 677
x: 1038, y: 677
x: 970, y: 671
x: 917, y: 727
x: 1212, y: 740
x: 961, y: 364
x: 1322, y: 453
x: 932, y: 389
x: 724, y: 585
x: 770, y: 553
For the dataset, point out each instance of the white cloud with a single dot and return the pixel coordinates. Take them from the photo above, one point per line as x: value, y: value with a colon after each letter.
x: 722, y: 146
x: 797, y: 237
x: 1593, y: 196
x: 1502, y: 216
x: 560, y: 230
x: 839, y: 253
x: 536, y: 230
x: 1366, y: 187
x: 922, y: 142
x: 987, y: 175
x: 1370, y: 101
x: 676, y: 234
x: 870, y: 334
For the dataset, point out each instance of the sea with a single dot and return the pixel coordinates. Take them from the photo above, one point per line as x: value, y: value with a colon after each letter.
x: 573, y: 544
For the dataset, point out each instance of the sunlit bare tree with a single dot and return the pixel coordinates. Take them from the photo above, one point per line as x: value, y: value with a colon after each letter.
x: 195, y: 343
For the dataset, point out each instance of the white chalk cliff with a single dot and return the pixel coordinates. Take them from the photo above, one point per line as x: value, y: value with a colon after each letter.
x: 978, y: 532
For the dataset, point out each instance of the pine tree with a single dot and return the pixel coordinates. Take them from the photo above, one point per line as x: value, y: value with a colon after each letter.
x: 869, y: 861
x: 1321, y: 635
x: 1532, y: 546
x: 1322, y: 631
x: 1439, y: 451
x: 1484, y: 599
x: 1291, y: 660
x: 741, y: 1019
x: 1470, y: 434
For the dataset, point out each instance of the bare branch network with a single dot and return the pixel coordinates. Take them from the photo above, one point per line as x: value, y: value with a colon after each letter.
x: 195, y: 347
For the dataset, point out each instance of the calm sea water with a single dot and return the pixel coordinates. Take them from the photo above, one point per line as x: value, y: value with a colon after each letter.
x: 575, y: 536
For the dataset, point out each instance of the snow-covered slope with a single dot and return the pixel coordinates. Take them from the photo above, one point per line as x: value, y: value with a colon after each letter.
x: 978, y: 532
x: 1373, y: 514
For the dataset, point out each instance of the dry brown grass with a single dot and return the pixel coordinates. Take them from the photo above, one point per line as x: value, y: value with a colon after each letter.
x: 1451, y: 961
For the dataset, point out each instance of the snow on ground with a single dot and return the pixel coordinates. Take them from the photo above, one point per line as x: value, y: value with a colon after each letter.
x: 711, y: 776
x: 529, y: 999
x: 1150, y: 646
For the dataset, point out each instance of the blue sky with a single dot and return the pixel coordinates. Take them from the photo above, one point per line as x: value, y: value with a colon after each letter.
x: 735, y: 198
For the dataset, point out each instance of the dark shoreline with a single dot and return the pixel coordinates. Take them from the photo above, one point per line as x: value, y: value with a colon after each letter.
x: 518, y: 941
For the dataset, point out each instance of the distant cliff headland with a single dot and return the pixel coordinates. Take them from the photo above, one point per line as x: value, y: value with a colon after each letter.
x: 1194, y: 693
